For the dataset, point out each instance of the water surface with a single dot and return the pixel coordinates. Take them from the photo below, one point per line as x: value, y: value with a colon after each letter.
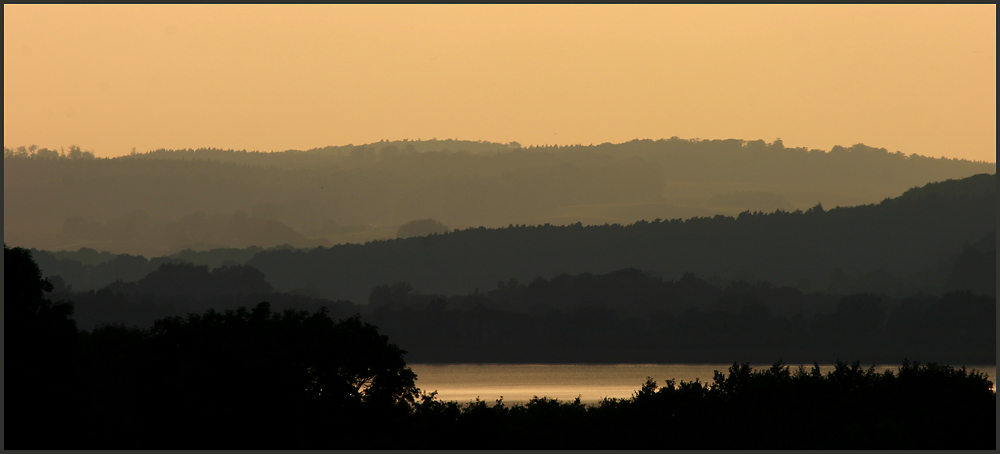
x: 518, y: 383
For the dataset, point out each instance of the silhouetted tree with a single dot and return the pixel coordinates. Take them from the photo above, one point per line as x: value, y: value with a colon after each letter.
x: 245, y: 371
x: 42, y: 357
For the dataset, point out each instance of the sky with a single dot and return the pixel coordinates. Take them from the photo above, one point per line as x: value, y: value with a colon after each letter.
x: 913, y: 78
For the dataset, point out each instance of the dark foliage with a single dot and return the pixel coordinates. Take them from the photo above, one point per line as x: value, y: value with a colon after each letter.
x: 238, y: 379
x: 252, y: 379
x: 626, y: 315
x: 917, y: 407
x: 245, y: 379
x: 42, y: 361
x: 751, y: 325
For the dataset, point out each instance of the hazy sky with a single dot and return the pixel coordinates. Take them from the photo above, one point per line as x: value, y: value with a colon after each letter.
x: 918, y: 79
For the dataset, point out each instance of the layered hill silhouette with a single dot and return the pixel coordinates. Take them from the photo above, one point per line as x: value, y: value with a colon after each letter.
x: 626, y: 315
x: 930, y: 239
x: 912, y: 275
x: 165, y: 201
x: 885, y: 246
x: 210, y: 378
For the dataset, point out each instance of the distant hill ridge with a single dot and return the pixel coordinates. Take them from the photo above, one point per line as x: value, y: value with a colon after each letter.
x: 976, y: 184
x: 165, y: 201
x: 391, y: 149
x: 395, y: 148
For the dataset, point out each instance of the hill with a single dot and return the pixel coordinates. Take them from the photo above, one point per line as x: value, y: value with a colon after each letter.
x: 885, y: 246
x: 165, y: 201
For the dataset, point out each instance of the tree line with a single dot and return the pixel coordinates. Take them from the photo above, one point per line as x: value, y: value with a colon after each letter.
x: 626, y: 315
x: 258, y: 379
x: 894, y: 247
x: 918, y: 406
x: 238, y: 378
x: 43, y: 153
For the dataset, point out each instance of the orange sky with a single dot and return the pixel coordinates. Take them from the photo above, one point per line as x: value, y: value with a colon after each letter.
x: 918, y: 79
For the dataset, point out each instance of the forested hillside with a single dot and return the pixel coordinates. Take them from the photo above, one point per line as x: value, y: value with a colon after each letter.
x: 624, y: 316
x: 882, y: 247
x: 930, y: 239
x: 913, y: 276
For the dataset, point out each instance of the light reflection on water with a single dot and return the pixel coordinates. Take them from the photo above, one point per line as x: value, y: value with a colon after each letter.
x: 518, y: 383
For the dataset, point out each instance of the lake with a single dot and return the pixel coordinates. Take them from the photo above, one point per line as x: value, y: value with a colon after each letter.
x: 518, y: 383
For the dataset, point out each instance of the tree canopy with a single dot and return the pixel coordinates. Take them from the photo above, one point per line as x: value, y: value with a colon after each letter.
x: 188, y: 379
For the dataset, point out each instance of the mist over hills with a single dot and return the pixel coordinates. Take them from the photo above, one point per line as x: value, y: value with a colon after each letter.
x: 816, y: 249
x: 162, y: 202
x: 928, y: 239
x: 912, y: 275
x: 239, y: 228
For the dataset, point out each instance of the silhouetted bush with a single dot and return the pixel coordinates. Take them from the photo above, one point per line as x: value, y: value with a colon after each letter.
x: 252, y: 379
x: 917, y: 407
